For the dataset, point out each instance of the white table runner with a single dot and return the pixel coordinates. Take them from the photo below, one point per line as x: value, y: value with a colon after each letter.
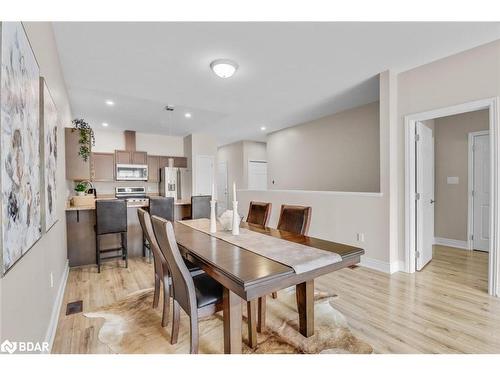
x: 300, y: 257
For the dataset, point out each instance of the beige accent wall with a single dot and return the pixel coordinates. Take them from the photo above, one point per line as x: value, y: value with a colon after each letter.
x: 451, y: 147
x: 340, y: 152
x: 27, y: 300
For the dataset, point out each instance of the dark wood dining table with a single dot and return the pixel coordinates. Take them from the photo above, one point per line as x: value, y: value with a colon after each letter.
x: 248, y: 276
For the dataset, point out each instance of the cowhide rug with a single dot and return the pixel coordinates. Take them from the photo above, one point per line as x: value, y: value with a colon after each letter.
x: 132, y: 326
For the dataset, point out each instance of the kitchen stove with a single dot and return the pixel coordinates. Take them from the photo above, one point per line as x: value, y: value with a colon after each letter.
x: 134, y: 196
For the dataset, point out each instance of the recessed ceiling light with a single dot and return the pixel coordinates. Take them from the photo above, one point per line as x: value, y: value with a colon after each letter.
x: 110, y: 102
x: 263, y: 128
x: 224, y: 68
x: 105, y: 124
x: 187, y: 115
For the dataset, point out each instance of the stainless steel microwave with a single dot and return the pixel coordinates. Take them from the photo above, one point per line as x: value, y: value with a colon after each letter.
x: 131, y: 172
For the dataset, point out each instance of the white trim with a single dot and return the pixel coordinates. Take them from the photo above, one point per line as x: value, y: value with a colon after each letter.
x: 410, y: 210
x: 462, y: 245
x: 380, y: 265
x: 355, y: 193
x: 470, y: 186
x: 56, y: 309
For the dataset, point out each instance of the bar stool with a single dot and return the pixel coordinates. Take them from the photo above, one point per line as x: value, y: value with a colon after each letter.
x: 111, y: 218
x: 200, y: 207
x: 162, y: 207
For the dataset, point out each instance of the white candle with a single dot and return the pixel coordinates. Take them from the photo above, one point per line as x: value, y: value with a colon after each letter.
x: 234, y: 191
x: 213, y: 191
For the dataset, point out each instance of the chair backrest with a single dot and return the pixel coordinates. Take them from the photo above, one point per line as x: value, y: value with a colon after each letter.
x: 258, y: 213
x: 182, y: 281
x: 295, y: 219
x: 111, y: 216
x: 160, y: 262
x: 200, y: 206
x: 162, y: 207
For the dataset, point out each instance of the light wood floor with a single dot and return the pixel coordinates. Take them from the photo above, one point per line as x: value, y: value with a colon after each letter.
x: 443, y: 309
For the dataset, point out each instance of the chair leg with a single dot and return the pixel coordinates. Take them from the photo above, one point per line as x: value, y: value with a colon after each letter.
x: 166, y: 301
x: 97, y: 254
x: 176, y: 317
x: 156, y: 297
x: 274, y: 295
x: 194, y: 333
x: 124, y: 248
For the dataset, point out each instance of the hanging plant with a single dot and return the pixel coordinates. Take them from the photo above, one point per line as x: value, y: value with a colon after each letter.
x: 87, y: 138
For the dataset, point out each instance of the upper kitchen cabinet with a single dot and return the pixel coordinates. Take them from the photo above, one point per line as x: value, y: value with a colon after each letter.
x: 102, y: 166
x: 153, y: 168
x: 131, y: 157
x: 76, y: 168
x: 179, y: 161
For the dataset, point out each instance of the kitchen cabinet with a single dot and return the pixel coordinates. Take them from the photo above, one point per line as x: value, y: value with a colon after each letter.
x: 179, y: 161
x: 102, y: 166
x: 76, y: 168
x: 153, y: 168
x: 130, y: 157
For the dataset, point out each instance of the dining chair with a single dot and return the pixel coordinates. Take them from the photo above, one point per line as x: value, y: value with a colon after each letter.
x: 295, y: 219
x: 198, y: 296
x: 258, y: 213
x: 111, y: 218
x: 200, y: 206
x: 162, y: 274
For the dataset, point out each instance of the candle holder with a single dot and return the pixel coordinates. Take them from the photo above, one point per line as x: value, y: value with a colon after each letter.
x: 213, y: 217
x: 236, y: 220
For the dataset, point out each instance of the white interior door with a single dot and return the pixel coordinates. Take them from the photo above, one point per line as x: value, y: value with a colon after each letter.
x: 481, y: 193
x: 257, y: 175
x: 204, y: 174
x: 425, y: 189
x: 222, y: 186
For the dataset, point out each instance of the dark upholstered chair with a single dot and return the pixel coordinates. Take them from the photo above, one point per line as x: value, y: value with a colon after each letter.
x: 258, y: 213
x: 158, y: 206
x: 295, y: 219
x: 160, y: 265
x: 198, y: 296
x: 200, y: 206
x: 111, y: 218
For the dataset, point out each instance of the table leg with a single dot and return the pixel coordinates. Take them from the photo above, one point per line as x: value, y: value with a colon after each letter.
x: 305, y: 305
x: 232, y: 322
x: 252, y: 323
x: 261, y: 323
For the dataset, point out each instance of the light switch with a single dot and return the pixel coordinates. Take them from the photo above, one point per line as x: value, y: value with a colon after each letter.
x: 452, y: 180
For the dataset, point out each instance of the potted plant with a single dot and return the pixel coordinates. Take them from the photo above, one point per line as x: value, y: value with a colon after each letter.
x: 87, y: 138
x: 80, y: 189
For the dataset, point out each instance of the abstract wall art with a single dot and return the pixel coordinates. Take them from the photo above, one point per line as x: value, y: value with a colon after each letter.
x: 49, y: 120
x: 20, y: 182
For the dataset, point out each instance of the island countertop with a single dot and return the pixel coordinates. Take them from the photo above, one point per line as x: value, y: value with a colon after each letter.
x: 69, y: 207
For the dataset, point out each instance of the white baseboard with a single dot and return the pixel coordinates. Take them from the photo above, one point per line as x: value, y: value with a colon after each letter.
x: 381, y: 266
x: 56, y: 309
x: 451, y: 243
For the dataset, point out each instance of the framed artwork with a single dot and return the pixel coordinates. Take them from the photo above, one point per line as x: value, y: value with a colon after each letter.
x: 48, y: 139
x: 20, y: 182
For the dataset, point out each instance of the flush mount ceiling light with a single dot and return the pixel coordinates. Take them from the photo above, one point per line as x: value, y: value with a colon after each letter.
x: 224, y: 68
x: 110, y: 102
x: 105, y: 124
x: 187, y: 115
x: 263, y: 128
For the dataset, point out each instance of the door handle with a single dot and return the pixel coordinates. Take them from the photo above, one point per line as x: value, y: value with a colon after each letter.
x: 433, y: 201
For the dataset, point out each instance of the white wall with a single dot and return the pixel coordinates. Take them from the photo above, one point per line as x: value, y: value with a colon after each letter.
x: 26, y: 298
x: 339, y: 152
x: 199, y: 144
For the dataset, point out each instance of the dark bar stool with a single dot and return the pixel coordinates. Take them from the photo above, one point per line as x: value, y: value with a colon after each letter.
x: 161, y: 207
x: 200, y: 207
x: 111, y: 218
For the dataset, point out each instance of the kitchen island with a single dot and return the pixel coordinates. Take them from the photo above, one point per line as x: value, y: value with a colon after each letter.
x: 80, y: 222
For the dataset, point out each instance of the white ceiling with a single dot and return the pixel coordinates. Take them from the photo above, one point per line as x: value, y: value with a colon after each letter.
x: 289, y: 72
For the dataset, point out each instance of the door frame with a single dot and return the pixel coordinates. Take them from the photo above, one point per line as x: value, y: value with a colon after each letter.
x: 492, y: 104
x: 470, y: 199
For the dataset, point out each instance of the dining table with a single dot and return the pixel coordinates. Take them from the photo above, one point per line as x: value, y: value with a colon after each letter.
x: 249, y: 276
